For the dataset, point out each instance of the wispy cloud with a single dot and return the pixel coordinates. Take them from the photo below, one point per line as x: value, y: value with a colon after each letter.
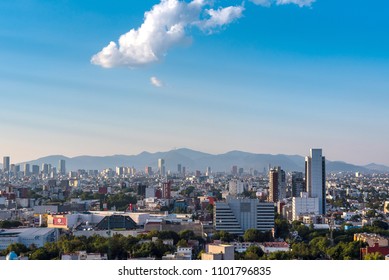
x: 268, y: 3
x: 221, y: 17
x: 156, y: 82
x: 166, y: 25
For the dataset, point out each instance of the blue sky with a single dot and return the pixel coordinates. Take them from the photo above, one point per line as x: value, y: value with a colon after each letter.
x: 276, y: 78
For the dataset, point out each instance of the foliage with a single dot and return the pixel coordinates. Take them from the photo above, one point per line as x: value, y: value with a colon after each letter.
x: 120, y: 201
x: 380, y: 224
x: 281, y: 228
x: 18, y: 248
x: 224, y: 236
x: 254, y: 235
x: 10, y: 224
x: 374, y: 256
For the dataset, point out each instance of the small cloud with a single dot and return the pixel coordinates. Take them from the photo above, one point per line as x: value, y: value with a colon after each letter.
x: 265, y: 3
x: 221, y: 17
x: 156, y: 82
x: 300, y: 3
x: 268, y: 3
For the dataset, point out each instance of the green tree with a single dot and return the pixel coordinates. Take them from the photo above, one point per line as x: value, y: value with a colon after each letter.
x: 380, y: 224
x: 302, y: 251
x: 10, y: 224
x: 281, y: 228
x: 182, y: 243
x: 253, y: 253
x: 224, y: 236
x: 279, y: 255
x: 40, y: 254
x: 186, y: 234
x: 374, y: 256
x: 252, y: 235
x: 121, y: 201
x: 371, y: 213
x: 163, y: 235
x: 18, y: 248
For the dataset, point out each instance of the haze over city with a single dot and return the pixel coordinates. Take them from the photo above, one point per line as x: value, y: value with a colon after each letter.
x: 260, y: 76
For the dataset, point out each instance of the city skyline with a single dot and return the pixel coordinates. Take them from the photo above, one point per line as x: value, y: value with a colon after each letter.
x: 274, y: 77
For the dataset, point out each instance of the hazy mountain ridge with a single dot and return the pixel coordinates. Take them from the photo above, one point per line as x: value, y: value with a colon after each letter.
x: 194, y: 160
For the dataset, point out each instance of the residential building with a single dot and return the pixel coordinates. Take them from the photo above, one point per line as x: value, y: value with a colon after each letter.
x: 219, y: 252
x: 277, y: 184
x: 235, y: 187
x: 298, y: 184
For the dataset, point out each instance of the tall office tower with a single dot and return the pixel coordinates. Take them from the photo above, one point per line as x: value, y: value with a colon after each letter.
x: 237, y: 215
x: 35, y: 169
x: 161, y: 167
x: 15, y: 169
x: 62, y: 167
x: 179, y: 168
x: 148, y: 170
x: 234, y: 170
x: 45, y: 168
x: 208, y: 171
x: 298, y: 183
x: 119, y: 171
x: 315, y: 177
x: 183, y: 170
x: 6, y: 164
x: 277, y: 184
x: 26, y: 169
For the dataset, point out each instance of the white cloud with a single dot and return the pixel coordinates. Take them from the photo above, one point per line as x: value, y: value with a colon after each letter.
x: 166, y: 25
x: 221, y: 17
x: 156, y: 82
x: 268, y: 3
x: 300, y: 3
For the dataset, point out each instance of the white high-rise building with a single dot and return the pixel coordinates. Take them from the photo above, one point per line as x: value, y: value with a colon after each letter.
x: 315, y: 177
x: 161, y: 167
x: 235, y: 187
x: 304, y: 205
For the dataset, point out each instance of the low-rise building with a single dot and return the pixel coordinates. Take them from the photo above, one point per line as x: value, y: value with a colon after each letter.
x: 218, y: 252
x: 28, y: 236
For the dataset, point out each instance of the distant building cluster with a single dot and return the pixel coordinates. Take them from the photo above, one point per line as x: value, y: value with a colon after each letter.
x: 50, y: 201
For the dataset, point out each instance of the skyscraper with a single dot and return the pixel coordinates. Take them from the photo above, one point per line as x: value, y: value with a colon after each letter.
x: 62, y: 167
x: 277, y: 184
x: 45, y: 168
x: 6, y: 164
x: 315, y: 177
x: 35, y: 169
x: 298, y: 184
x: 161, y: 167
x: 26, y: 169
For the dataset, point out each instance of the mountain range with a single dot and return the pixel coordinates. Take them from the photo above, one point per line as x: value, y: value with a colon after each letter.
x: 195, y: 160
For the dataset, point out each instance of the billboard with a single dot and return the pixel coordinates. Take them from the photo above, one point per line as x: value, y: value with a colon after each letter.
x: 60, y: 221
